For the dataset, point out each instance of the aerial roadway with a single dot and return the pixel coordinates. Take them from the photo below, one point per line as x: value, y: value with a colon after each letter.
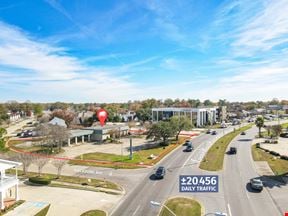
x: 234, y: 196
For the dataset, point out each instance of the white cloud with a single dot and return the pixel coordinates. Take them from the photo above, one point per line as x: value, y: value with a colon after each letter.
x: 51, y: 74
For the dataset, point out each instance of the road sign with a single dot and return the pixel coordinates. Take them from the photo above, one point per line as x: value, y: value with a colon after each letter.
x: 198, y: 183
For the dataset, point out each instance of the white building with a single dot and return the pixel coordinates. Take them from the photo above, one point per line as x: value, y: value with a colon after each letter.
x: 198, y: 116
x: 8, y: 181
x: 58, y: 121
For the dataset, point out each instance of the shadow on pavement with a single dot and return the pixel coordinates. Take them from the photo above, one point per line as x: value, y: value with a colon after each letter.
x: 275, y: 181
x: 153, y: 178
x: 245, y: 140
x: 250, y: 189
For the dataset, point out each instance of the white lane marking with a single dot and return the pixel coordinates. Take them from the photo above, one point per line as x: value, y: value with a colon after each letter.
x: 247, y: 195
x: 134, y: 213
x: 229, y: 209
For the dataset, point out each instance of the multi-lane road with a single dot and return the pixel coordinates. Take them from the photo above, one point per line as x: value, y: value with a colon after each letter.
x: 234, y: 196
x: 137, y: 203
x: 238, y: 170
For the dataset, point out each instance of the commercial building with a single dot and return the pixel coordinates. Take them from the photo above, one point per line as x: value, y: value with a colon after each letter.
x: 7, y: 182
x: 199, y: 116
x: 97, y: 133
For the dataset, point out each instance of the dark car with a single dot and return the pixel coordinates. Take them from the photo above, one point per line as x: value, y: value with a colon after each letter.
x: 208, y: 131
x: 187, y: 143
x: 189, y: 148
x: 256, y: 184
x: 160, y: 172
x: 243, y: 133
x: 233, y: 150
x: 214, y: 133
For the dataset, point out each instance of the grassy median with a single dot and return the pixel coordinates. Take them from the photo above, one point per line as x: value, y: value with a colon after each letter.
x: 94, y: 213
x: 278, y: 166
x: 213, y: 160
x: 182, y: 207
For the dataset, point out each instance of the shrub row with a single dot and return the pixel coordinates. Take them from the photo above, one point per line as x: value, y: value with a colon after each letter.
x: 284, y: 157
x: 40, y: 180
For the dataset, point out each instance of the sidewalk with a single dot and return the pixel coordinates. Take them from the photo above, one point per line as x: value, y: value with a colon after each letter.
x: 28, y: 208
x: 263, y: 168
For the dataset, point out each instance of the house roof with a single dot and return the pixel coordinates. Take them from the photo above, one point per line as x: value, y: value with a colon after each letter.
x: 58, y: 121
x: 6, y: 164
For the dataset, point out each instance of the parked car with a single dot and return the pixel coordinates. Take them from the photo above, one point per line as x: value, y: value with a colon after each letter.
x: 233, y: 150
x: 256, y: 184
x: 243, y: 133
x: 214, y: 132
x: 160, y: 172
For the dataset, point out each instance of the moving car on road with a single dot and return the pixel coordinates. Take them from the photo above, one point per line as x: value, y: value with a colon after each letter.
x: 233, y: 150
x: 256, y: 184
x: 187, y: 142
x: 208, y: 131
x: 243, y: 133
x: 160, y: 172
x: 189, y: 148
x: 214, y: 132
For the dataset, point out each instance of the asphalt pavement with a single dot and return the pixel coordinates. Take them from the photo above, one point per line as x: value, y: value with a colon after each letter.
x: 239, y: 169
x: 137, y: 203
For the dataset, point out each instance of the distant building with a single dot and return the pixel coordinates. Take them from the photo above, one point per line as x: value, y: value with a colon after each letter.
x: 128, y: 116
x: 285, y: 108
x: 14, y: 116
x: 221, y: 113
x: 8, y: 181
x: 198, y: 116
x: 58, y: 121
x: 85, y: 115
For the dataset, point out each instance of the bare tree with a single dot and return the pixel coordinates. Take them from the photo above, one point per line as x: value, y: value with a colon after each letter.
x: 40, y: 162
x: 25, y: 159
x: 52, y: 135
x: 58, y: 135
x: 59, y: 164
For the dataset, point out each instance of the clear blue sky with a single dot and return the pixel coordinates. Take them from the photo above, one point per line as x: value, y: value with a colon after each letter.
x: 115, y: 51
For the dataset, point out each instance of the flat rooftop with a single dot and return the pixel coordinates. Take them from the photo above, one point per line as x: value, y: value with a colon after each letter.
x: 6, y: 164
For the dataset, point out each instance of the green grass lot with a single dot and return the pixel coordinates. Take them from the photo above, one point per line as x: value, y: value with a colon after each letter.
x: 44, y: 211
x: 141, y: 156
x: 97, y: 183
x: 213, y: 160
x: 94, y: 213
x: 10, y: 208
x: 182, y: 207
x: 278, y: 166
x: 33, y: 149
x: 284, y: 125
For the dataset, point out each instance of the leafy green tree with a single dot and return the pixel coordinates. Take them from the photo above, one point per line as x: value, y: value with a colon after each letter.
x: 161, y: 130
x: 144, y: 114
x: 3, y: 113
x: 277, y: 129
x: 207, y: 103
x: 38, y: 109
x: 259, y: 123
x: 180, y: 123
x: 2, y: 139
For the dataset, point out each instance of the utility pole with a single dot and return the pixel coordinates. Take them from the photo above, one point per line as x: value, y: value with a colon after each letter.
x: 131, y: 150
